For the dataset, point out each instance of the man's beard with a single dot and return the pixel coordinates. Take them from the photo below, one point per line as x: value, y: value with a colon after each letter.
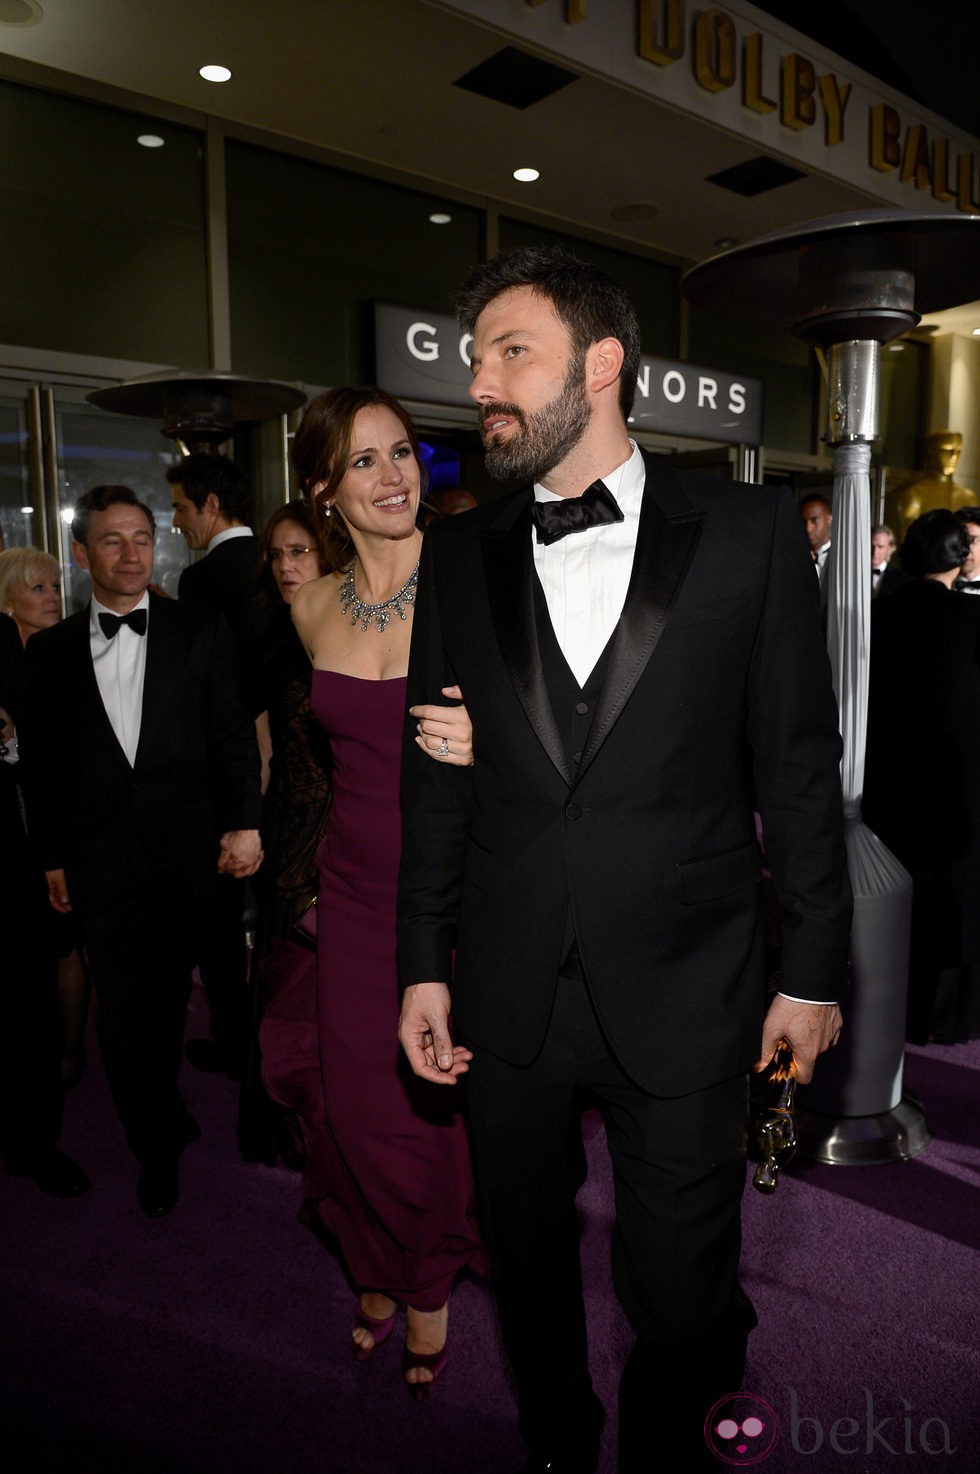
x: 543, y: 439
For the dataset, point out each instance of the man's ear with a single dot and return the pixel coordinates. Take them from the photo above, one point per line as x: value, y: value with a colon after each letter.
x: 80, y: 554
x: 603, y: 364
x: 211, y: 505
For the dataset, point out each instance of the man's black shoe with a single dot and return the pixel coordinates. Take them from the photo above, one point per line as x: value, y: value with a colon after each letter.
x: 55, y: 1174
x: 205, y: 1055
x: 158, y: 1187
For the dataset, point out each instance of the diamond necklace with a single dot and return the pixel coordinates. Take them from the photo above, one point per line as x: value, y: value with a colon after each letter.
x: 380, y: 613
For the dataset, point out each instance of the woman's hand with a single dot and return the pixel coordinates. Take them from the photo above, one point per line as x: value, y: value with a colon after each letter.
x: 446, y: 732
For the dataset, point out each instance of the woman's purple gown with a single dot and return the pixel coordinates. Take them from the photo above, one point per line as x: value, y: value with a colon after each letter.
x: 389, y: 1170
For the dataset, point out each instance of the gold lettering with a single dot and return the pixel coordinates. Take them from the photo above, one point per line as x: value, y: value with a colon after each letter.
x: 714, y: 50
x: 886, y: 130
x: 940, y: 171
x: 799, y: 110
x: 670, y: 47
x: 965, y: 197
x: 753, y: 96
x: 915, y: 157
x: 834, y: 97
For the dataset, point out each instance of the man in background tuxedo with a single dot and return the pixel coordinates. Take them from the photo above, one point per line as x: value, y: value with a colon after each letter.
x: 643, y: 664
x: 969, y: 579
x: 211, y: 504
x: 141, y: 774
x: 886, y: 576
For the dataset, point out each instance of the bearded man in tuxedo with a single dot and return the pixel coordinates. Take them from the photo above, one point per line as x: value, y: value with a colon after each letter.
x: 643, y: 664
x: 141, y: 775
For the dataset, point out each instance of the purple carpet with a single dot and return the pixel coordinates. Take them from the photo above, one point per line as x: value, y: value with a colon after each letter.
x: 215, y: 1341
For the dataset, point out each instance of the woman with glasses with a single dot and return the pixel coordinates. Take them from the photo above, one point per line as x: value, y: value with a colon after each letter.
x: 296, y: 784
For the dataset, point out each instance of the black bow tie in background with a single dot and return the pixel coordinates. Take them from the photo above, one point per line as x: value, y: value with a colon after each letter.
x: 596, y: 507
x: 136, y: 619
x: 968, y: 583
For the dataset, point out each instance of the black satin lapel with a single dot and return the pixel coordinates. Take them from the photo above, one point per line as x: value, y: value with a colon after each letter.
x: 509, y: 568
x: 664, y: 548
x: 162, y: 664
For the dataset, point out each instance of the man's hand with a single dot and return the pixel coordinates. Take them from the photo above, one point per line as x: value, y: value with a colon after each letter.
x: 241, y: 853
x: 58, y: 891
x: 424, y: 1033
x: 810, y: 1028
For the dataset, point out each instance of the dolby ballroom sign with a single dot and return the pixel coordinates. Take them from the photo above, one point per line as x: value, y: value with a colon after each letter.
x: 422, y: 356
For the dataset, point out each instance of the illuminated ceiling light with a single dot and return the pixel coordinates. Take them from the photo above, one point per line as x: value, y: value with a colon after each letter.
x: 27, y: 511
x: 215, y: 74
x: 68, y: 515
x: 440, y: 218
x: 896, y: 348
x: 527, y: 176
x: 150, y: 140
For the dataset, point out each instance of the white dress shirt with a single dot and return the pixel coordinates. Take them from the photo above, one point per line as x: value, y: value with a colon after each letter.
x: 820, y: 561
x: 120, y: 668
x: 586, y: 574
x: 227, y: 535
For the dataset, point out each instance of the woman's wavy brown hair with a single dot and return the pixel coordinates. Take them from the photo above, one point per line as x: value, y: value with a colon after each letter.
x: 320, y: 449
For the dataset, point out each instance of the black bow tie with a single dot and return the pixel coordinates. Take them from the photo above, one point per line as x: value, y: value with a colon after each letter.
x: 596, y: 507
x: 968, y: 583
x: 876, y: 572
x: 136, y: 619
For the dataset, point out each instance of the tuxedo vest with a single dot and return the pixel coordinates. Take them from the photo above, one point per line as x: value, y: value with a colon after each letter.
x: 573, y: 706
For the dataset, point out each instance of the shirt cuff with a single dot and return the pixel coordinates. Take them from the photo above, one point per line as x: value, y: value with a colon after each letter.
x: 817, y: 1002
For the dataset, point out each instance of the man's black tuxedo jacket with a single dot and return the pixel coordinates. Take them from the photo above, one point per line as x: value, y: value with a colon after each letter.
x: 892, y: 579
x: 145, y: 835
x: 717, y: 697
x: 224, y: 580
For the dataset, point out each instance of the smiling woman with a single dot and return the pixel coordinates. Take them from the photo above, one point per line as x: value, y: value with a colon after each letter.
x: 388, y: 1169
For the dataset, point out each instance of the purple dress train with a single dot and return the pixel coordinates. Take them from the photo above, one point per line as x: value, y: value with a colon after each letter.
x: 389, y: 1169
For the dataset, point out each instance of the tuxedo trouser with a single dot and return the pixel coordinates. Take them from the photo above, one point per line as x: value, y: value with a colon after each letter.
x: 223, y: 964
x: 679, y: 1172
x: 141, y: 975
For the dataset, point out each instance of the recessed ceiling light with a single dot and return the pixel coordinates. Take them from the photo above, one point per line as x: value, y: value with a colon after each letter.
x: 440, y: 218
x: 215, y: 74
x: 20, y: 13
x: 527, y: 176
x: 637, y: 211
x: 27, y: 511
x: 150, y: 140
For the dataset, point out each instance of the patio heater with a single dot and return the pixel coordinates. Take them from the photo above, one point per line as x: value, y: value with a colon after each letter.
x: 199, y: 410
x: 847, y: 284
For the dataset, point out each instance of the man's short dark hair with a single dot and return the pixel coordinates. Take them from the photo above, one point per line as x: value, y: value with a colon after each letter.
x: 201, y: 474
x: 934, y: 543
x: 587, y: 301
x: 100, y: 499
x: 968, y: 514
x: 817, y: 496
